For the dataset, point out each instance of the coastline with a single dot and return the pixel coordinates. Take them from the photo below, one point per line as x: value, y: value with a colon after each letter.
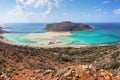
x: 50, y: 44
x: 55, y: 57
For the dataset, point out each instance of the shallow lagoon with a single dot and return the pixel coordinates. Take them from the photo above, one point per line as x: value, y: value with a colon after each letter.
x: 103, y: 33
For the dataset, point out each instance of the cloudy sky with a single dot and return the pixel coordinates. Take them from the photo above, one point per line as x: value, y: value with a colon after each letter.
x: 59, y: 10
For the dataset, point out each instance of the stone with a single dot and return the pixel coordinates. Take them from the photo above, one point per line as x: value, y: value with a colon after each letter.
x: 47, y: 72
x: 51, y: 43
x: 22, y: 67
x: 67, y: 74
x: 37, y: 70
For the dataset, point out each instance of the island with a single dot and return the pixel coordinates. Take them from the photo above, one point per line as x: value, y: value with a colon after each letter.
x: 55, y: 31
x: 67, y: 26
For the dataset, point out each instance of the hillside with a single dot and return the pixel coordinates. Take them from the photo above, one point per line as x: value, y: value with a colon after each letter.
x: 19, y: 62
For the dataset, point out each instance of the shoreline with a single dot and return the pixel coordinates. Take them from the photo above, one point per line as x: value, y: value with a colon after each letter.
x: 48, y: 45
x: 56, y: 58
x: 23, y: 62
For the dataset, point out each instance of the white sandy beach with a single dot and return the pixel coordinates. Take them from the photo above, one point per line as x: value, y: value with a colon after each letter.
x: 48, y: 35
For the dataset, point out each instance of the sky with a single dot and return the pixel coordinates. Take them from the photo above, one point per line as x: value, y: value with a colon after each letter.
x: 12, y: 11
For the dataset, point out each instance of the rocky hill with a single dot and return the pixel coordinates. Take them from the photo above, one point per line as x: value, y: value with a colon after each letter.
x: 67, y: 26
x: 90, y: 63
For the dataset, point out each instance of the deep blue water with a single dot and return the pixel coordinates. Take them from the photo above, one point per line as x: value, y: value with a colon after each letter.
x: 25, y: 27
x: 103, y: 33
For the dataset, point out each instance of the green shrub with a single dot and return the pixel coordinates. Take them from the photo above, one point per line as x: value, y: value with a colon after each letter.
x: 115, y: 55
x: 115, y: 65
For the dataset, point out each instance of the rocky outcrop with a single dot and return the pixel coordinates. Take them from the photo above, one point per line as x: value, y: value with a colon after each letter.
x: 67, y: 26
x: 1, y: 30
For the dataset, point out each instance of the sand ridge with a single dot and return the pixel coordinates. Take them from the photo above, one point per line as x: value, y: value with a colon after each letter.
x: 48, y: 35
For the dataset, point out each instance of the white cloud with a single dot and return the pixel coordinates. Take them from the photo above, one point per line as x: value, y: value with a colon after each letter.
x: 33, y: 3
x: 23, y: 5
x: 40, y: 3
x: 117, y: 11
x: 18, y: 11
x: 49, y: 9
x: 106, y: 1
x: 56, y: 4
x: 34, y: 10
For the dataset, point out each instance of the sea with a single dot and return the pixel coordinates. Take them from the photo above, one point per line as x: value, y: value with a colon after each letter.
x: 103, y: 33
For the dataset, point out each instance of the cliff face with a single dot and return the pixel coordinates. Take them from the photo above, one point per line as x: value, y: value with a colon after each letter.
x: 67, y: 26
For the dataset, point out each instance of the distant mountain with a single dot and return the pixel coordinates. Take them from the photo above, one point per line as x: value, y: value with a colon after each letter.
x: 67, y: 26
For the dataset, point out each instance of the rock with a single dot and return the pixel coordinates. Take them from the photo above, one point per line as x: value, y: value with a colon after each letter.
x: 22, y: 67
x: 5, y: 76
x: 55, y: 79
x: 61, y: 72
x: 37, y: 71
x: 67, y: 26
x: 51, y: 43
x: 48, y: 72
x: 69, y: 78
x: 1, y: 37
x: 67, y: 74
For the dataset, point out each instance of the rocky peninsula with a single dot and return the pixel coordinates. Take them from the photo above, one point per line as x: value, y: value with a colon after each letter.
x: 2, y: 31
x: 67, y: 26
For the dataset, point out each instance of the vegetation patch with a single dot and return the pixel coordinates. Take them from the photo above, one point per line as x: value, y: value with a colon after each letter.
x: 115, y: 55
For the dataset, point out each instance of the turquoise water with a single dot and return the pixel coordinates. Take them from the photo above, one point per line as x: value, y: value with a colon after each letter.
x: 19, y: 38
x: 103, y: 33
x: 91, y: 38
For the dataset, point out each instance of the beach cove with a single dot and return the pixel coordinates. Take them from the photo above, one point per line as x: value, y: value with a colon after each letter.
x: 103, y: 33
